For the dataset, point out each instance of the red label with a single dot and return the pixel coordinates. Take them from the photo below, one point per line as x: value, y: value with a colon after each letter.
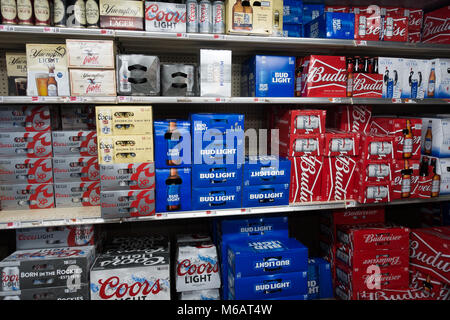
x: 405, y: 178
x: 436, y: 26
x: 338, y: 178
x: 367, y: 85
x: 306, y: 179
x: 367, y: 27
x: 395, y: 28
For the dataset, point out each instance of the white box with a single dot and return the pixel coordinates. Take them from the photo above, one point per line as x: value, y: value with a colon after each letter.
x: 92, y: 82
x: 439, y: 143
x: 215, y: 73
x: 165, y: 17
x: 415, y: 78
x: 391, y: 68
x: 442, y: 79
x: 91, y: 54
x: 443, y: 170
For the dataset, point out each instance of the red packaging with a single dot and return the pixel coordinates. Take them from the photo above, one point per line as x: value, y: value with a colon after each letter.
x: 397, y: 127
x: 302, y: 122
x: 436, y: 26
x: 391, y: 11
x: 343, y: 9
x: 324, y: 76
x: 414, y: 37
x: 306, y: 179
x: 367, y: 85
x: 376, y: 147
x: 373, y: 192
x: 297, y: 145
x: 395, y: 28
x: 405, y: 177
x: 27, y: 196
x: 368, y: 27
x: 415, y: 17
x: 426, y: 186
x: 354, y: 216
x: 442, y: 229
x: 395, y: 294
x: 25, y: 118
x: 354, y: 118
x: 25, y: 170
x: 430, y: 253
x: 373, y: 236
x: 338, y: 178
x: 339, y: 143
x: 374, y: 170
x: 370, y: 10
x: 438, y: 290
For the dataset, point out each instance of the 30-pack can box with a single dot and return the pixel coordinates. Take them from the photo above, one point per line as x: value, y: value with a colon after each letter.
x: 265, y: 195
x: 78, y: 292
x: 138, y: 75
x: 173, y: 189
x: 405, y: 177
x: 25, y: 171
x: 127, y: 203
x: 260, y: 170
x: 90, y: 54
x: 216, y: 175
x: 25, y: 118
x: 392, y: 71
x: 301, y: 121
x: 125, y: 149
x: 216, y: 198
x: 26, y: 144
x: 27, y: 196
x: 44, y: 268
x: 266, y: 256
x: 165, y: 17
x: 178, y: 80
x: 76, y: 194
x: 215, y: 73
x: 268, y: 76
x: 258, y: 21
x: 92, y: 82
x: 16, y: 70
x: 339, y: 178
x: 128, y: 120
x: 133, y: 276
x: 69, y: 168
x: 82, y: 143
x: 415, y: 74
x: 332, y: 25
x: 298, y: 145
x: 306, y: 179
x: 172, y: 143
x: 127, y: 176
x: 115, y: 14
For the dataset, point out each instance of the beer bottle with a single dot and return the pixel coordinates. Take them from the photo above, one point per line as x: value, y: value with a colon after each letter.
x: 431, y: 81
x: 435, y: 181
x: 406, y: 180
x: 407, y: 140
x: 248, y: 15
x: 238, y: 16
x: 59, y: 13
x: 25, y: 12
x: 172, y: 136
x: 173, y: 183
x: 52, y: 86
x: 428, y: 144
x: 41, y: 12
x: 349, y: 77
x: 9, y: 11
x: 92, y: 14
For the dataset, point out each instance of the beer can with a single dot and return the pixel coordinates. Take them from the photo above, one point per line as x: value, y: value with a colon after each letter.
x: 374, y: 192
x: 191, y: 16
x: 59, y: 13
x: 377, y: 170
x: 218, y: 17
x: 305, y: 145
x: 92, y: 14
x: 307, y: 122
x: 380, y: 148
x: 341, y: 145
x: 10, y: 279
x: 41, y: 9
x: 76, y: 14
x: 9, y: 11
x: 204, y: 18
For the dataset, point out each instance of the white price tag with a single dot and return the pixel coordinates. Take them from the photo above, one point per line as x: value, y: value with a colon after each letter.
x: 396, y: 100
x: 161, y: 215
x: 335, y: 100
x: 259, y: 100
x: 6, y: 28
x: 13, y: 225
x: 211, y: 212
x: 182, y: 35
x: 219, y: 37
x: 50, y: 30
x: 220, y: 100
x: 361, y: 42
x: 37, y: 99
x: 125, y: 99
x: 107, y: 32
x: 184, y: 100
x: 1, y: 99
x: 410, y: 101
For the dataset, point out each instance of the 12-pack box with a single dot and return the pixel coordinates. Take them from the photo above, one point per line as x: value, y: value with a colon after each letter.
x: 415, y: 74
x: 127, y: 203
x: 26, y: 144
x: 165, y: 17
x: 332, y: 25
x: 76, y: 194
x: 338, y: 143
x: 90, y: 54
x: 92, y: 82
x: 298, y: 145
x: 216, y: 175
x: 216, y: 198
x: 125, y: 149
x: 368, y: 26
x: 260, y: 170
x: 127, y: 176
x: 16, y: 70
x: 67, y: 168
x: 376, y: 147
x: 338, y: 178
x: 405, y: 178
x: 74, y: 143
x: 439, y: 80
x: 215, y: 73
x: 265, y: 195
x: 255, y: 19
x: 391, y: 69
x: 24, y: 170
x: 301, y: 121
x: 115, y: 14
x: 129, y: 120
x: 138, y: 75
x: 27, y: 196
x: 25, y: 118
x: 173, y: 189
x: 172, y: 143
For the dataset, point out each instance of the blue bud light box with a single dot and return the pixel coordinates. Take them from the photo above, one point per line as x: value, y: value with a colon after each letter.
x: 332, y: 25
x: 173, y: 189
x: 172, y: 143
x: 216, y: 175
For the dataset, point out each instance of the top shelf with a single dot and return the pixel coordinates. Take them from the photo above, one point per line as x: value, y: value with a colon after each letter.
x: 141, y: 41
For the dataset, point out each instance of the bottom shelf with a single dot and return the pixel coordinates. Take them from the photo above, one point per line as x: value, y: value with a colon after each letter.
x: 13, y: 219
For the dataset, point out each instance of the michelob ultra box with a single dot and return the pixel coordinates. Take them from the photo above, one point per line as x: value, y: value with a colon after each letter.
x: 216, y: 198
x: 127, y: 176
x: 439, y: 80
x: 173, y: 189
x: 216, y: 175
x: 415, y: 76
x: 260, y: 170
x: 266, y: 256
x: 436, y: 137
x: 125, y: 149
x: 172, y: 143
x: 127, y: 203
x: 265, y: 195
x: 392, y: 71
x: 124, y: 120
x: 333, y: 25
x: 75, y: 169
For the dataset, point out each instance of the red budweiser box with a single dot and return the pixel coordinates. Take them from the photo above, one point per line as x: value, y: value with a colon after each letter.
x: 338, y: 178
x: 391, y: 11
x: 415, y: 17
x: 373, y: 192
x: 428, y: 185
x: 373, y: 236
x: 429, y: 252
x: 374, y: 170
x: 405, y: 177
x: 442, y: 229
x: 438, y: 290
x: 376, y: 147
x: 367, y: 85
x: 302, y: 122
x: 370, y: 10
x: 344, y: 9
x: 341, y: 143
x: 436, y: 26
x: 306, y: 179
x: 354, y: 118
x: 353, y: 216
x: 368, y: 27
x: 297, y: 145
x: 395, y: 294
x: 324, y: 76
x: 414, y: 37
x: 395, y: 28
x: 407, y: 135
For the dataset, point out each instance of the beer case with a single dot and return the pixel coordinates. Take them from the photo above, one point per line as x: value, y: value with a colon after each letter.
x: 312, y: 11
x: 41, y: 58
x: 173, y: 193
x: 292, y: 12
x: 257, y: 22
x: 16, y: 71
x: 292, y: 30
x: 265, y: 195
x: 127, y: 176
x: 440, y: 86
x: 25, y: 171
x: 259, y: 170
x: 215, y: 73
x: 216, y: 198
x: 78, y: 292
x: 266, y: 256
x: 90, y: 54
x: 415, y: 74
x: 376, y: 147
x: 338, y: 143
x: 373, y: 192
x: 125, y: 149
x: 125, y: 120
x: 337, y: 9
x: 127, y: 203
x: 165, y: 17
x: 77, y: 194
x: 172, y: 147
x: 339, y: 178
x: 25, y: 118
x: 138, y: 75
x: 301, y: 121
x: 354, y: 118
x: 121, y: 14
x: 395, y: 28
x: 435, y: 26
x: 26, y: 144
x: 391, y: 69
x: 298, y: 145
x: 306, y: 179
x: 81, y: 117
x: 216, y: 175
x: 319, y: 279
x: 92, y: 82
x: 375, y: 170
x: 353, y: 216
x: 367, y: 85
x: 331, y: 25
x: 74, y: 143
x: 75, y: 169
x: 443, y: 172
x: 268, y: 76
x: 368, y: 27
x: 206, y: 294
x: 179, y: 80
x: 404, y: 183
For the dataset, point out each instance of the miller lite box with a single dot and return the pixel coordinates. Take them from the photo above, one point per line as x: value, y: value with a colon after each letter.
x: 297, y: 145
x: 415, y: 18
x: 368, y: 27
x: 375, y: 170
x: 392, y: 71
x: 172, y: 143
x: 52, y: 237
x: 405, y: 177
x: 77, y: 292
x: 367, y: 85
x: 301, y: 121
x: 214, y: 198
x: 131, y: 276
x: 338, y: 143
x: 76, y: 194
x: 319, y: 279
x: 376, y: 147
x: 338, y: 178
x: 439, y: 80
x: 23, y: 170
x: 90, y: 54
x: 354, y: 118
x: 69, y: 168
x: 373, y: 192
x: 27, y: 196
x: 26, y: 144
x: 125, y: 149
x: 25, y: 118
x: 92, y: 82
x: 265, y: 195
x: 332, y: 25
x: 207, y: 294
x: 165, y: 17
x: 75, y: 143
x: 416, y: 71
x: 324, y: 76
x: 197, y: 267
x: 306, y: 179
x: 406, y: 132
x: 173, y: 189
x: 216, y: 175
x: 435, y: 26
x: 127, y: 176
x: 395, y: 28
x: 44, y: 268
x: 268, y: 286
x: 127, y: 203
x: 260, y: 170
x: 123, y: 14
x: 128, y: 120
x: 266, y: 256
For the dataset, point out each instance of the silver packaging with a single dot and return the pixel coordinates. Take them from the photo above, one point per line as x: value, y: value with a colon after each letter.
x: 75, y: 169
x: 126, y: 176
x: 77, y: 194
x: 178, y: 80
x: 127, y: 203
x: 138, y: 75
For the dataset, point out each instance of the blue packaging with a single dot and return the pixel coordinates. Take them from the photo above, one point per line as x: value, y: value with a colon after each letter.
x: 268, y: 76
x: 312, y: 11
x: 296, y: 297
x: 172, y: 143
x: 266, y: 170
x: 292, y: 11
x: 265, y: 195
x: 331, y: 25
x: 217, y: 138
x: 173, y: 191
x: 292, y: 30
x: 268, y: 286
x: 319, y: 279
x: 216, y: 175
x: 267, y: 256
x: 216, y: 198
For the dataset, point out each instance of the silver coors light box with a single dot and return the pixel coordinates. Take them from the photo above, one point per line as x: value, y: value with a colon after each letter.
x: 178, y: 80
x: 138, y: 75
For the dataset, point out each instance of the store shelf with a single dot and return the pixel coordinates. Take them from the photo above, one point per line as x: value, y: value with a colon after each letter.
x: 13, y: 219
x: 56, y: 100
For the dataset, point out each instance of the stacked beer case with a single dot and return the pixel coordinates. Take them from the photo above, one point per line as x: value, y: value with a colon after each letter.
x: 320, y: 285
x: 138, y: 75
x: 293, y: 18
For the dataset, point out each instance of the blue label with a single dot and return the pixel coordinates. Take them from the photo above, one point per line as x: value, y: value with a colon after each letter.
x: 216, y: 198
x: 332, y: 25
x: 173, y: 193
x: 272, y: 171
x: 265, y: 195
x: 172, y: 146
x: 216, y: 175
